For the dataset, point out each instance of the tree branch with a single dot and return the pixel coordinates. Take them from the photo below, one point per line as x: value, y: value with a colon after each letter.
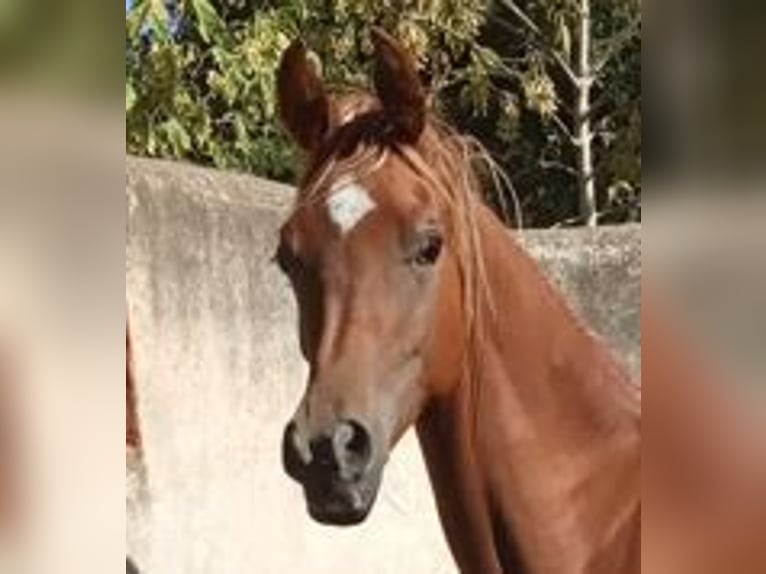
x: 563, y: 127
x: 552, y: 164
x: 617, y: 43
x: 540, y: 40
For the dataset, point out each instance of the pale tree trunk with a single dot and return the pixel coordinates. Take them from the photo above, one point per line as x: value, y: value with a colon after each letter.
x: 582, y: 77
x: 583, y: 133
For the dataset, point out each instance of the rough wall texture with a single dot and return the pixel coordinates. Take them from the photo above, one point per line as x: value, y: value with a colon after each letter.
x: 600, y: 272
x: 218, y: 373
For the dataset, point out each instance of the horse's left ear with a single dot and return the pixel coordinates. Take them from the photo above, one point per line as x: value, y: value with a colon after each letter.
x: 304, y: 105
x: 399, y: 89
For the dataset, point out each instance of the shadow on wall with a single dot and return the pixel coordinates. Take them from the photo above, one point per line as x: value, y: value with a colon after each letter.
x: 131, y: 422
x: 132, y: 436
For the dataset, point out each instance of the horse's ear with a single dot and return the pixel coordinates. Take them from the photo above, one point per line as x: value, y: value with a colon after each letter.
x: 304, y: 106
x: 398, y: 87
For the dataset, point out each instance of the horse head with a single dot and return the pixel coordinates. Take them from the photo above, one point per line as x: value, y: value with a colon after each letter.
x: 375, y: 251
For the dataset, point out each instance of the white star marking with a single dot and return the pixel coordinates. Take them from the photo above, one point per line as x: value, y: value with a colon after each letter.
x: 348, y: 203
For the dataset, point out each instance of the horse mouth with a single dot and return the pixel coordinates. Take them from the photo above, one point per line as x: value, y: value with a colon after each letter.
x: 341, y: 504
x: 337, y: 514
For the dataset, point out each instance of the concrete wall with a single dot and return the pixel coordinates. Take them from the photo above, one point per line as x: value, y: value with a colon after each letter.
x: 218, y: 372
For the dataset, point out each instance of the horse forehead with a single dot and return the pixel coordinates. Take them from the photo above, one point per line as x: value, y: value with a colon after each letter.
x: 351, y: 198
x: 348, y: 203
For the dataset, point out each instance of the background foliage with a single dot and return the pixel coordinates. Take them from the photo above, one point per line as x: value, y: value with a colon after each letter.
x: 200, y: 84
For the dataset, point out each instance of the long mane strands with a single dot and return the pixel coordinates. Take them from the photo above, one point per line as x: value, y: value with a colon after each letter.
x: 445, y: 160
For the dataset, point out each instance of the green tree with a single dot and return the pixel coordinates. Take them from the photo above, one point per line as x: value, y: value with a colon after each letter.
x: 200, y: 85
x: 200, y: 73
x: 572, y: 105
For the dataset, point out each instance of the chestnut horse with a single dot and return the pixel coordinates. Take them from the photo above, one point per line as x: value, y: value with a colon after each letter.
x: 416, y: 307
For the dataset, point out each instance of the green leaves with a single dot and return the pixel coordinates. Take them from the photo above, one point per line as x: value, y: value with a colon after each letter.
x: 159, y: 19
x: 200, y: 78
x: 130, y: 96
x: 177, y: 136
x: 540, y: 92
x: 208, y: 22
x: 563, y: 37
x: 136, y: 19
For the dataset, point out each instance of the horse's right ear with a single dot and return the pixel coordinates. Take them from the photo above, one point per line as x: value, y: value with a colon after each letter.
x: 398, y: 87
x: 304, y: 106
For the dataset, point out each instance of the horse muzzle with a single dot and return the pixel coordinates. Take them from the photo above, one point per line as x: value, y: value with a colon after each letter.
x: 337, y: 470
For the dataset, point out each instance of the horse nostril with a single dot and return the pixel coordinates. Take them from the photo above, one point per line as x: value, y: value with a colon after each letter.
x: 296, y: 455
x: 342, y: 452
x: 352, y: 446
x: 323, y: 453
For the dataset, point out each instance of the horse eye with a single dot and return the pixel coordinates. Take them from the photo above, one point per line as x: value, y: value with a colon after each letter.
x: 429, y: 248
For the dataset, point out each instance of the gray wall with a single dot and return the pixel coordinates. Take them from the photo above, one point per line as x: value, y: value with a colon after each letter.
x: 219, y: 372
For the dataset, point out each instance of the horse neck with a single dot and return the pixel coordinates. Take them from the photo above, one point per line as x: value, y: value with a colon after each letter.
x: 542, y: 469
